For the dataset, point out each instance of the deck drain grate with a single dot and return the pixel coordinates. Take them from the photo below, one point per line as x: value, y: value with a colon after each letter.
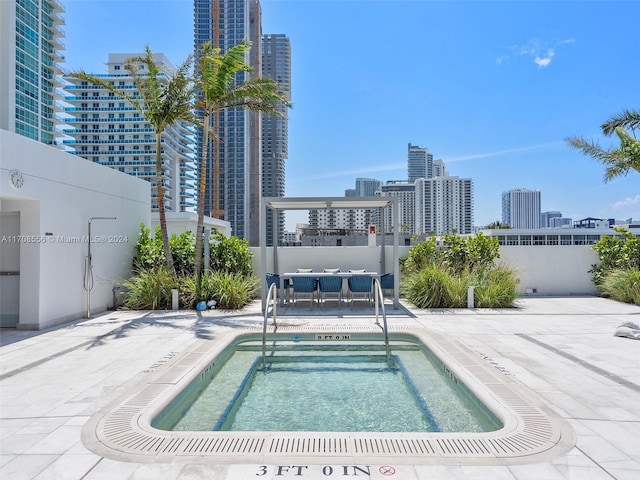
x: 123, y: 428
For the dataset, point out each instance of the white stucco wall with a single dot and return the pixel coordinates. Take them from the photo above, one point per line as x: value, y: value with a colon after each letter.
x: 552, y: 269
x: 543, y: 270
x: 59, y: 195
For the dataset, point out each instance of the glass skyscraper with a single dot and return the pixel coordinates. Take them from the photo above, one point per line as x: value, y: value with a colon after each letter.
x: 233, y: 189
x: 419, y: 163
x: 276, y: 65
x: 31, y: 41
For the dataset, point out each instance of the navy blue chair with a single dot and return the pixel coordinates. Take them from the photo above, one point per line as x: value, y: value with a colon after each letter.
x: 331, y: 284
x: 386, y: 282
x: 304, y: 285
x: 360, y: 285
x: 274, y: 278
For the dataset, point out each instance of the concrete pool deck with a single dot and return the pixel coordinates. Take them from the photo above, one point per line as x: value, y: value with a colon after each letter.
x: 53, y: 382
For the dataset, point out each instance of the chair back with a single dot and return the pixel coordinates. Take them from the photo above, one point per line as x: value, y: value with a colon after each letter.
x: 304, y: 284
x: 330, y: 284
x: 360, y: 283
x: 273, y: 278
x: 386, y: 281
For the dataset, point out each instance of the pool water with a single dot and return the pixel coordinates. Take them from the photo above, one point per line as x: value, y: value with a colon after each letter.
x: 314, y: 386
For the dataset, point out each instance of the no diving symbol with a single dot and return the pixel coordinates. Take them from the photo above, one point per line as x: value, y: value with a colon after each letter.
x: 387, y: 470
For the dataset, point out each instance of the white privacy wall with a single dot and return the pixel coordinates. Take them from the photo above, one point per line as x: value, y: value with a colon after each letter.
x: 556, y: 270
x: 60, y: 192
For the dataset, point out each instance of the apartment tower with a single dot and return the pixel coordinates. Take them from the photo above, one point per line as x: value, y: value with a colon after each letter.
x: 233, y: 186
x: 444, y: 205
x: 419, y: 163
x: 405, y: 192
x: 276, y: 64
x: 108, y: 130
x: 521, y: 208
x: 30, y: 48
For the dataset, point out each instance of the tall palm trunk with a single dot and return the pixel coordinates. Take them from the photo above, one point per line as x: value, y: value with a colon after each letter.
x: 161, y: 212
x: 201, y: 192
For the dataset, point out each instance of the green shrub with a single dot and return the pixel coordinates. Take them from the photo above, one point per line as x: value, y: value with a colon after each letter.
x: 622, y: 285
x: 150, y: 290
x: 230, y: 290
x: 230, y: 255
x: 150, y: 253
x: 616, y: 252
x: 230, y: 282
x: 496, y: 287
x: 440, y: 287
x: 421, y: 255
x: 428, y: 288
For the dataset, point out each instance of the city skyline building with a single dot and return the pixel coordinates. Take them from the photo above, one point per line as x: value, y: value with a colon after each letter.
x: 276, y: 65
x: 405, y: 193
x: 547, y: 218
x: 31, y: 44
x: 233, y: 185
x: 444, y: 205
x: 109, y: 131
x: 367, y: 187
x: 419, y: 163
x: 521, y: 208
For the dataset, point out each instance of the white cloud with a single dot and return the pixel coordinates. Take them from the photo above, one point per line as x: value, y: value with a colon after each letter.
x: 542, y: 54
x: 627, y: 202
x: 546, y: 60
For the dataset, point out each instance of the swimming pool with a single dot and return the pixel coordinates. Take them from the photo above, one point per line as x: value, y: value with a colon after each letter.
x: 124, y: 429
x: 339, y: 385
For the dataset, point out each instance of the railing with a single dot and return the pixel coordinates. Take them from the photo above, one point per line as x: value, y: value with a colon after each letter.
x: 378, y: 301
x: 273, y: 297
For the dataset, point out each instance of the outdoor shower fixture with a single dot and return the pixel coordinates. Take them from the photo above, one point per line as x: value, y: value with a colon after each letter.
x: 88, y: 267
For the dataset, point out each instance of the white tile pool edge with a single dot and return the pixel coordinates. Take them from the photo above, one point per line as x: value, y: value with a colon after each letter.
x: 532, y: 432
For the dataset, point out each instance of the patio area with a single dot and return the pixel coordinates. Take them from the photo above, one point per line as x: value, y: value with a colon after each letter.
x: 562, y: 349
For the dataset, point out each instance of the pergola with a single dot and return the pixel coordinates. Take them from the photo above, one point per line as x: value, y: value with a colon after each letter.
x: 318, y: 203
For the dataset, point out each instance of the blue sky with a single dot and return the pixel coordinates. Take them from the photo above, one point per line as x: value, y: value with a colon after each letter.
x: 492, y: 88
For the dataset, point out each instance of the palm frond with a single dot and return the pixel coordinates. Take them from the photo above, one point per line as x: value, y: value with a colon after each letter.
x: 627, y: 119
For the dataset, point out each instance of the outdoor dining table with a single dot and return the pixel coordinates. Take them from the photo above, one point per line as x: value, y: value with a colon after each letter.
x: 317, y: 275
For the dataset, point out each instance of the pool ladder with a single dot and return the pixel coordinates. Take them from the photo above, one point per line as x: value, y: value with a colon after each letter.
x: 378, y: 301
x: 272, y: 298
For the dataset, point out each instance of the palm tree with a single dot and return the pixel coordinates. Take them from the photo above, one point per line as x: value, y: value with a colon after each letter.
x: 215, y: 76
x: 617, y: 161
x: 163, y: 99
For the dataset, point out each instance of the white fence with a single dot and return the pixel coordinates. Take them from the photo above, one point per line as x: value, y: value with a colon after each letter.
x: 547, y: 270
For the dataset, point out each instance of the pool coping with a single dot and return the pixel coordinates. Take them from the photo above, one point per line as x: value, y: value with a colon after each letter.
x: 532, y: 432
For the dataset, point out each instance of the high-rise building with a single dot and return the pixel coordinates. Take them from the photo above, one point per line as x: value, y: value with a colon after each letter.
x: 405, y: 193
x: 276, y: 64
x: 30, y: 47
x: 419, y: 163
x: 233, y: 187
x: 547, y: 218
x: 108, y: 130
x: 444, y: 205
x: 367, y: 187
x: 438, y: 168
x: 521, y: 208
x: 340, y: 219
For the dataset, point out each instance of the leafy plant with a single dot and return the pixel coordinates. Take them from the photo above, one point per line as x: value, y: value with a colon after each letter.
x: 439, y: 277
x: 230, y: 254
x: 150, y: 254
x: 616, y: 252
x: 150, y: 290
x: 622, y: 285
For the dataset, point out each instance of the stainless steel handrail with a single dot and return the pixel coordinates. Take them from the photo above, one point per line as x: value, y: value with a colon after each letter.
x: 379, y: 304
x: 273, y: 295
